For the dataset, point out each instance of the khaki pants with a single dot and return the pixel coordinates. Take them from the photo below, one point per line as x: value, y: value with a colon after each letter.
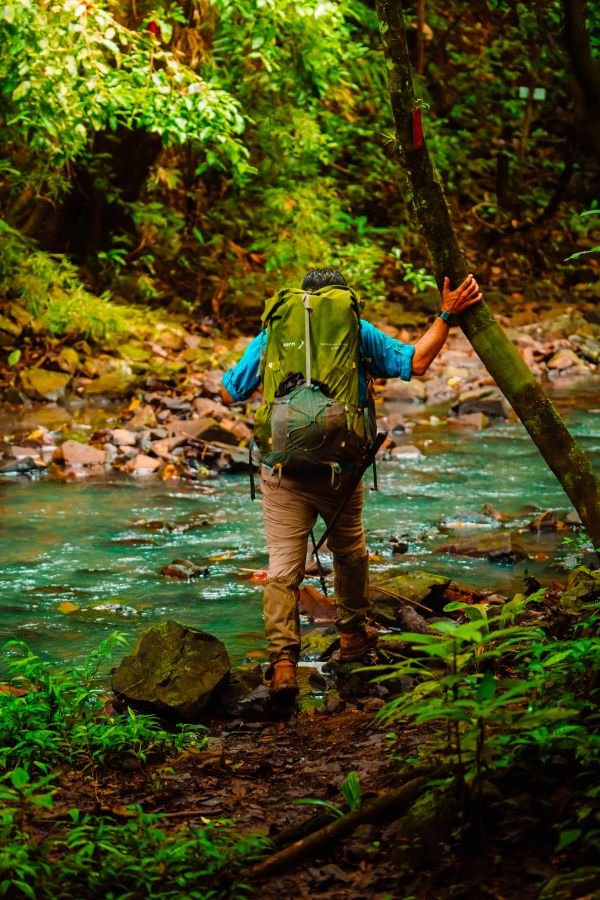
x: 290, y: 508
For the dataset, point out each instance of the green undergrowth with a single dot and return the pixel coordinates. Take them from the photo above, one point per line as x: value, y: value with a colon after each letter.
x: 57, y: 722
x: 49, y: 290
x: 509, y: 722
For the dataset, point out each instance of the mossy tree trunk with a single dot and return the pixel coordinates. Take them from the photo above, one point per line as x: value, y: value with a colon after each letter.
x: 569, y: 463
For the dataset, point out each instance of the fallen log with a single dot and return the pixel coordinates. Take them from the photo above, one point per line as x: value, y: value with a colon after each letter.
x: 391, y: 802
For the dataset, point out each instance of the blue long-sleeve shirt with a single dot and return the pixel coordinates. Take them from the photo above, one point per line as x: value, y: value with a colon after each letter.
x: 381, y: 356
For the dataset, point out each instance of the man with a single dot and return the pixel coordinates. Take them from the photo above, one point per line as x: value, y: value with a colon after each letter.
x: 293, y: 500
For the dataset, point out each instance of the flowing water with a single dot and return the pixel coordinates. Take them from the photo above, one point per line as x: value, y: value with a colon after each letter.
x: 82, y: 559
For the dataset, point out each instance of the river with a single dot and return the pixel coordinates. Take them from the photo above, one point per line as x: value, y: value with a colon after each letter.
x: 82, y: 559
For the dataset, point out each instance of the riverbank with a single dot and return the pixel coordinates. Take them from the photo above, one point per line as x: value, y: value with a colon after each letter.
x: 363, y: 796
x: 74, y: 416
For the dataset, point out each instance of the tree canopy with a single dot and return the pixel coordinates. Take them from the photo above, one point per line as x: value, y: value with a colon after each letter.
x: 198, y: 152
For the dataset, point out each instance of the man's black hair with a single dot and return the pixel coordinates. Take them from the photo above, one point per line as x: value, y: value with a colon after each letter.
x: 318, y: 278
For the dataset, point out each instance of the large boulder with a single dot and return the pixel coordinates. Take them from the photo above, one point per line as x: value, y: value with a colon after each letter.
x: 173, y: 668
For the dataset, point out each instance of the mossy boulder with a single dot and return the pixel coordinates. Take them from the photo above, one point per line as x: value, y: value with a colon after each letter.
x: 174, y: 669
x: 44, y: 384
x: 583, y: 587
x: 388, y: 598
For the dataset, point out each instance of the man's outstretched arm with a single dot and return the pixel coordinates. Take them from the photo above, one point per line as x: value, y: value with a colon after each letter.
x: 455, y: 302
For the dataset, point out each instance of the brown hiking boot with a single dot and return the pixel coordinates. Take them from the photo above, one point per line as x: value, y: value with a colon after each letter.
x: 284, y: 686
x: 356, y: 646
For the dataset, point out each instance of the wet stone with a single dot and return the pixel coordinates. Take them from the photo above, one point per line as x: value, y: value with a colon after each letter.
x: 72, y: 453
x: 499, y: 547
x: 184, y: 570
x: 44, y: 384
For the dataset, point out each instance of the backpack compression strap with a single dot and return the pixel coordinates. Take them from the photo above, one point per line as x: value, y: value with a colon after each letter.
x: 307, y: 312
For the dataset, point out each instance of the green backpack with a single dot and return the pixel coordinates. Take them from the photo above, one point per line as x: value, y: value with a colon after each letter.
x: 310, y: 417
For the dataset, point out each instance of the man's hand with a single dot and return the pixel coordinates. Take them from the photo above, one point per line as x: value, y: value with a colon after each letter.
x: 428, y: 346
x: 465, y: 295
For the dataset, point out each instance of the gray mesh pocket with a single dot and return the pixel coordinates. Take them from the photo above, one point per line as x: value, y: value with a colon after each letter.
x: 306, y: 422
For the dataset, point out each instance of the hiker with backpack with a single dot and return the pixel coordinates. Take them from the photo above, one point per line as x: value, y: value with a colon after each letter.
x: 315, y: 429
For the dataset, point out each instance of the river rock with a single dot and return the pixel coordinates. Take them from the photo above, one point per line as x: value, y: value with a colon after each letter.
x: 583, y: 587
x: 546, y: 521
x: 586, y: 346
x: 490, y: 510
x: 499, y: 547
x: 245, y: 696
x: 406, y: 451
x: 123, y: 437
x: 486, y: 400
x: 476, y: 420
x: 113, y: 384
x: 173, y: 668
x: 44, y: 384
x: 318, y: 643
x: 24, y: 466
x: 141, y: 464
x: 411, y: 391
x: 468, y: 519
x: 563, y: 359
x: 68, y: 360
x: 74, y: 454
x: 391, y: 595
x: 143, y: 417
x: 183, y: 569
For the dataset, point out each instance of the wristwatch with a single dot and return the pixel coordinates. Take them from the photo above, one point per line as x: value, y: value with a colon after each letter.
x: 448, y: 317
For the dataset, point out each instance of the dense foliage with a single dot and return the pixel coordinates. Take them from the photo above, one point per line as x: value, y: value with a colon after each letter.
x: 200, y: 152
x: 56, y: 721
x: 512, y: 721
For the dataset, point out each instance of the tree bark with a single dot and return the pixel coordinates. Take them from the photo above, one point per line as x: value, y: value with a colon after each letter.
x: 569, y: 463
x: 420, y: 64
x: 586, y: 69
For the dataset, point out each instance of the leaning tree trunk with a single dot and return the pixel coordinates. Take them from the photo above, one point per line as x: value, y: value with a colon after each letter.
x: 514, y: 378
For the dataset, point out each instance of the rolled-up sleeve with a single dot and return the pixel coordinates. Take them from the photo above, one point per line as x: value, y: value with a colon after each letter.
x: 244, y: 378
x: 384, y: 356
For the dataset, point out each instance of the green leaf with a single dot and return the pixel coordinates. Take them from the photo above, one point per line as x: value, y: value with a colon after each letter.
x: 19, y: 778
x: 310, y: 801
x: 582, y: 253
x: 487, y: 688
x: 14, y: 357
x: 568, y: 837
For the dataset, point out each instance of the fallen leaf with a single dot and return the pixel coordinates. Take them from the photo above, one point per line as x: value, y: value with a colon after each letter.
x: 255, y: 576
x: 67, y: 607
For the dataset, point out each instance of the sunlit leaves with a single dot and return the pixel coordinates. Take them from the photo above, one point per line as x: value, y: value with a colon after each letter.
x: 69, y: 70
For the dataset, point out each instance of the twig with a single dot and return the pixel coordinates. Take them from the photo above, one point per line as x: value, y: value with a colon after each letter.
x: 382, y: 590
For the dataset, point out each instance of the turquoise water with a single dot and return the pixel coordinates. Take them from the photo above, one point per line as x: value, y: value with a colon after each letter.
x: 81, y: 559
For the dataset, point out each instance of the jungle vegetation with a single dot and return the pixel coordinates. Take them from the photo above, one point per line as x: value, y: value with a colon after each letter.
x: 193, y: 155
